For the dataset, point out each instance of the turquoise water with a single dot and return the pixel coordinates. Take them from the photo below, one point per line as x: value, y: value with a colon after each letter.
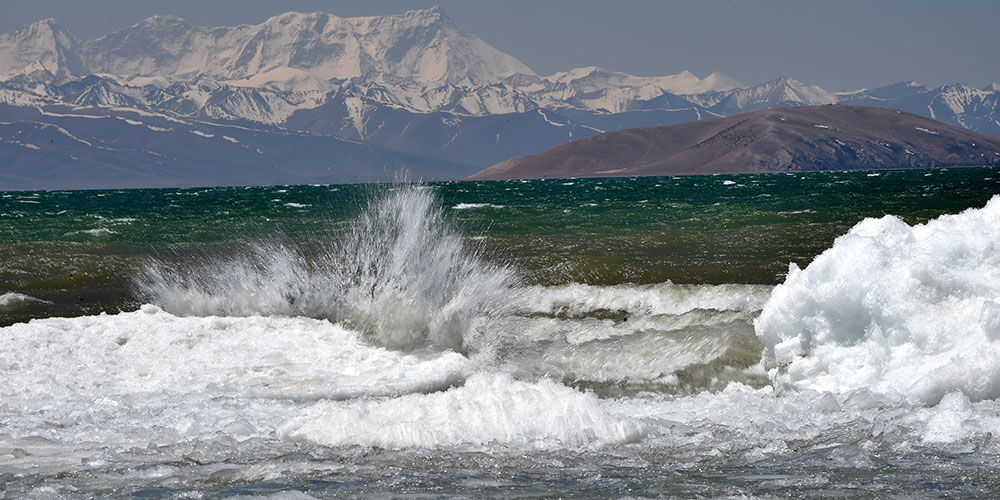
x: 639, y: 337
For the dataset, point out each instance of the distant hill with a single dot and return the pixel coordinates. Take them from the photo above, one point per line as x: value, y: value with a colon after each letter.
x: 830, y: 137
x: 52, y: 146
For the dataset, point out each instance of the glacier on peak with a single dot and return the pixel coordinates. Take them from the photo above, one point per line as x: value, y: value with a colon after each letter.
x: 778, y: 92
x: 593, y: 78
x: 417, y: 47
x: 423, y: 46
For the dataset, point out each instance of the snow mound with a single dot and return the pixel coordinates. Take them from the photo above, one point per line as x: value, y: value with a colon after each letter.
x: 894, y: 308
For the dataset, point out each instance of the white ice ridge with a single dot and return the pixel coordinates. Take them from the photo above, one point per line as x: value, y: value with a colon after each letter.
x: 488, y: 409
x: 151, y: 351
x: 894, y: 308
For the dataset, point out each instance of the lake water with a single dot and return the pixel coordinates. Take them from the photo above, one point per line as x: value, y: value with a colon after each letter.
x: 573, y: 338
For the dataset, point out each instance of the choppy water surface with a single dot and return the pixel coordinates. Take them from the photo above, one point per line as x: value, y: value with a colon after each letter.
x: 598, y: 337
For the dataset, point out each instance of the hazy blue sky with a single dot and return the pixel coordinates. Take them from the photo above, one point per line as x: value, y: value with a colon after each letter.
x: 840, y: 45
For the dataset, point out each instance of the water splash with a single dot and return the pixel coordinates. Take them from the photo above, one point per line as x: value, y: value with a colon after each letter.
x: 401, y: 275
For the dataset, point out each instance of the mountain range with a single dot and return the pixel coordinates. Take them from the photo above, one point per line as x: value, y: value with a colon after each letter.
x: 412, y: 90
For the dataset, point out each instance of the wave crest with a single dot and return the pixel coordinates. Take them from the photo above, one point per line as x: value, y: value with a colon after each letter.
x: 400, y: 275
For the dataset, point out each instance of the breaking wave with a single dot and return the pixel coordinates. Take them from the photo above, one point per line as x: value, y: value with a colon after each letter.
x: 13, y: 300
x: 401, y: 275
x: 892, y: 308
x: 887, y: 343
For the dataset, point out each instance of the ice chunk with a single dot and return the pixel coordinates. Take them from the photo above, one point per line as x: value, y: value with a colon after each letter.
x: 894, y: 308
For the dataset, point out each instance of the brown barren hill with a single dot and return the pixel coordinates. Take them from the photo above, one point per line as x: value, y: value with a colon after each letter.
x: 808, y: 138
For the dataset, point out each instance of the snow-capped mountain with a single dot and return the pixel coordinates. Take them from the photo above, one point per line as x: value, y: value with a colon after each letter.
x: 413, y: 83
x: 44, y: 47
x: 593, y: 78
x: 888, y: 93
x: 299, y: 51
x: 957, y: 104
x: 783, y: 91
x: 415, y: 53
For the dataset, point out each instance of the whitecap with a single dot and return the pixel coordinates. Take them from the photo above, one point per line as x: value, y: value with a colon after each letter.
x: 577, y: 299
x: 100, y: 231
x: 11, y: 300
x: 468, y: 206
x: 489, y: 409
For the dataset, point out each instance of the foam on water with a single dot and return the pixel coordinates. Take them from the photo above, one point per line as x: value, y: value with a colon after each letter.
x: 578, y: 300
x: 894, y: 308
x: 76, y: 385
x: 12, y: 300
x: 627, y: 339
x: 280, y: 363
x: 855, y: 429
x: 467, y: 206
x: 489, y: 408
x: 687, y: 360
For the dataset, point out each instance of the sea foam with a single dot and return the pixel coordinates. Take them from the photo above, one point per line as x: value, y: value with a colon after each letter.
x: 894, y: 308
x: 489, y: 408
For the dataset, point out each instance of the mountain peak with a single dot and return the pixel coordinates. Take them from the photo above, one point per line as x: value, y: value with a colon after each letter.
x: 435, y: 12
x: 161, y: 20
x: 791, y: 83
x: 42, y: 44
x: 434, y: 16
x: 165, y: 18
x: 418, y: 46
x: 960, y: 87
x: 575, y: 73
x: 47, y: 27
x: 719, y: 81
x: 49, y: 22
x: 908, y: 87
x: 293, y: 17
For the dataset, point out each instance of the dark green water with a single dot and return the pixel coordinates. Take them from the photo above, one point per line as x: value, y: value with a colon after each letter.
x: 79, y: 250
